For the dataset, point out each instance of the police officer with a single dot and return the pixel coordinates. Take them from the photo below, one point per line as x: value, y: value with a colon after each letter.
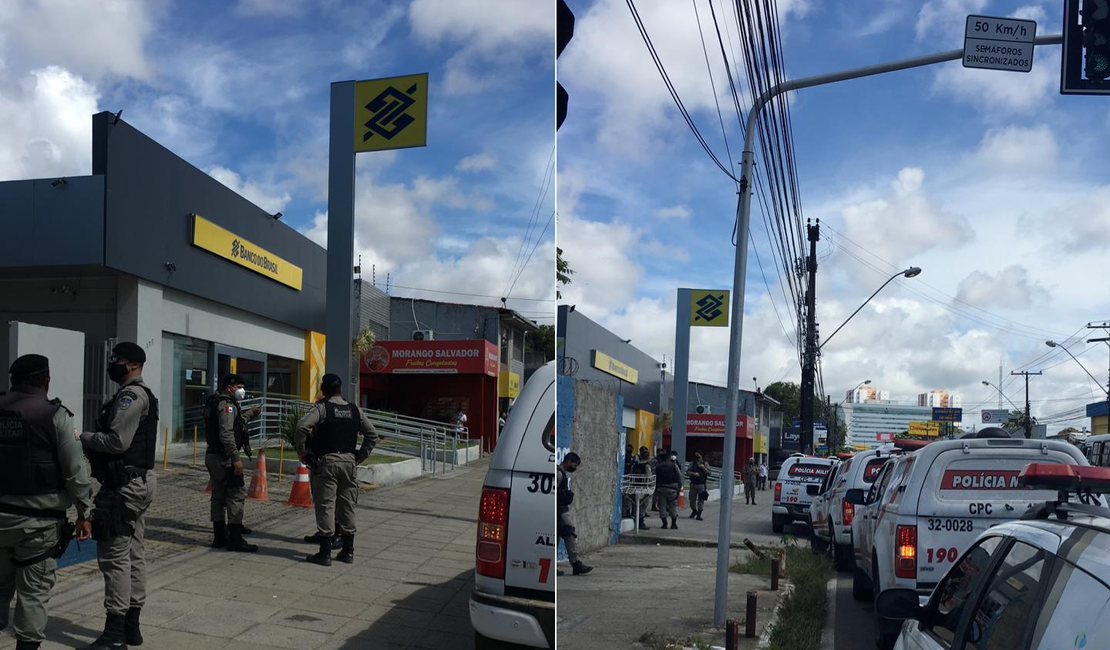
x: 42, y: 472
x: 326, y: 440
x: 121, y: 453
x: 668, y: 481
x: 564, y: 498
x: 642, y: 466
x: 225, y: 430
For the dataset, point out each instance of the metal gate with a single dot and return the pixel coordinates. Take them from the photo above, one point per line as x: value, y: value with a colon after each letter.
x: 98, y: 387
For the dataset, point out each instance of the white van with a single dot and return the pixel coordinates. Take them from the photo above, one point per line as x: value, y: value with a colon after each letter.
x: 925, y: 509
x: 792, y: 501
x: 514, y: 582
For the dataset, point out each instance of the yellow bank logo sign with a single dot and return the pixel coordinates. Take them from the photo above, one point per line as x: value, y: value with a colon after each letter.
x: 708, y: 308
x: 391, y: 113
x: 611, y: 366
x: 234, y: 248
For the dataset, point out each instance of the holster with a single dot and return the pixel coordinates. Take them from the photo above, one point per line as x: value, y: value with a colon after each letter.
x: 112, y: 519
x: 66, y: 531
x: 111, y: 473
x: 233, y: 480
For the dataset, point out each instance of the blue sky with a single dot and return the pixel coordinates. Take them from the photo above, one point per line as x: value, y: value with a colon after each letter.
x: 241, y: 90
x: 987, y: 180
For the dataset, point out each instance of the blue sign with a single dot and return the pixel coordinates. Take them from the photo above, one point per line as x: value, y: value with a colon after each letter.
x: 947, y: 414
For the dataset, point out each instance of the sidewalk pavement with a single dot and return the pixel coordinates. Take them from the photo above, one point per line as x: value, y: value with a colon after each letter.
x: 663, y: 582
x: 408, y: 588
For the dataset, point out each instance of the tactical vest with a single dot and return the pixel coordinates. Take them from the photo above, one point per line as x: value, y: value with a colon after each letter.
x: 29, y: 462
x: 338, y: 432
x: 212, y: 406
x: 140, y: 455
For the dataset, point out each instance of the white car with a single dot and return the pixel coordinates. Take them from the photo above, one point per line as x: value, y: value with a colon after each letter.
x: 792, y: 501
x: 514, y: 582
x: 831, y: 514
x: 1037, y: 583
x: 926, y: 507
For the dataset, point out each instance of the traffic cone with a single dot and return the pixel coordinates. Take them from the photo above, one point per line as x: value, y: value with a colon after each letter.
x: 681, y: 497
x: 301, y: 494
x: 260, y: 489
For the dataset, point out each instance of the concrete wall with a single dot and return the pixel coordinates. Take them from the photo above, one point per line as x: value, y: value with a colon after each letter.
x: 66, y: 351
x: 447, y: 320
x: 48, y: 225
x: 192, y: 316
x: 81, y: 303
x: 595, y: 437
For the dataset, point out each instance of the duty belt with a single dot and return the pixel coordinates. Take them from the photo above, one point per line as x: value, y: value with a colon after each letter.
x: 32, y: 512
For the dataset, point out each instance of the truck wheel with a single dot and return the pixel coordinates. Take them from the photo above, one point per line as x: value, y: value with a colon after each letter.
x: 778, y: 522
x: 885, y: 636
x: 861, y: 585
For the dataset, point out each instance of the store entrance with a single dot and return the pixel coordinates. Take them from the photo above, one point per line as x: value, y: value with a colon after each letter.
x: 251, y: 366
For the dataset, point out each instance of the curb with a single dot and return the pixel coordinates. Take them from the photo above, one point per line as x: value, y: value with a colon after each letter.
x: 828, y: 635
x: 673, y: 541
x: 765, y: 634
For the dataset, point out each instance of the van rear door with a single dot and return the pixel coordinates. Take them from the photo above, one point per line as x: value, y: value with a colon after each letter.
x: 530, y: 555
x: 965, y: 493
x: 803, y: 472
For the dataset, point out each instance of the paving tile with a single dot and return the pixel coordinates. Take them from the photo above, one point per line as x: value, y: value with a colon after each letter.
x: 224, y: 619
x: 308, y: 620
x: 272, y: 635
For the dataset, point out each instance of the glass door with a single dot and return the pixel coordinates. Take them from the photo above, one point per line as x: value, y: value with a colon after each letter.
x: 249, y: 365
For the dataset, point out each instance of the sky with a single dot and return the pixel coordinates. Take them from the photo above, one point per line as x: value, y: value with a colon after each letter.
x: 240, y: 90
x: 987, y: 180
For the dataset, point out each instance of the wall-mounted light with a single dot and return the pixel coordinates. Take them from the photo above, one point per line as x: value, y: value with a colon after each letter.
x: 115, y: 120
x: 61, y: 182
x: 171, y: 267
x: 275, y: 216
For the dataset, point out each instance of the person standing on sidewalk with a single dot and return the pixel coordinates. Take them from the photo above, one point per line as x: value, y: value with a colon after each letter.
x: 326, y: 439
x: 564, y: 497
x: 641, y: 466
x: 668, y: 480
x: 699, y: 477
x: 42, y: 472
x: 121, y: 454
x: 225, y: 430
x: 750, y: 472
x: 762, y: 476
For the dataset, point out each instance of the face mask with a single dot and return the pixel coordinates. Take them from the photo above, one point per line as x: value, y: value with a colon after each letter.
x: 117, y: 371
x: 674, y: 457
x: 572, y: 468
x: 240, y: 393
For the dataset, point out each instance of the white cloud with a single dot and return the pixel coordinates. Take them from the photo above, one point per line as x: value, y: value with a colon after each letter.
x: 267, y: 197
x: 658, y: 249
x: 599, y: 253
x: 91, y: 39
x: 47, y: 124
x: 1016, y: 146
x: 1011, y: 287
x: 1032, y: 12
x: 478, y: 162
x: 1087, y: 220
x: 997, y: 93
x: 674, y: 212
x: 946, y: 19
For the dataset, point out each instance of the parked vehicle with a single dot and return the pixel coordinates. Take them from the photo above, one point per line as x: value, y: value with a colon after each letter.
x: 792, y: 501
x: 831, y: 514
x: 514, y: 583
x: 926, y: 508
x: 1036, y: 583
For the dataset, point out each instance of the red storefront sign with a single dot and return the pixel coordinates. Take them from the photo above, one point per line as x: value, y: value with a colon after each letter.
x: 714, y: 426
x: 466, y: 357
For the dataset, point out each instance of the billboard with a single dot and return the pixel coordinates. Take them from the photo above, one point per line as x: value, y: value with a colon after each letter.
x: 948, y: 414
x: 930, y: 429
x: 713, y: 426
x: 464, y: 357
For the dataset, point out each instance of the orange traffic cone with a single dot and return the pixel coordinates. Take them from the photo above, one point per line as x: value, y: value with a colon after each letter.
x: 681, y: 497
x: 301, y: 494
x: 208, y: 490
x: 260, y: 489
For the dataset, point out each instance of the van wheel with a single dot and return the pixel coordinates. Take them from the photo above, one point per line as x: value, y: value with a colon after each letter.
x: 884, y: 637
x: 778, y: 522
x: 861, y: 585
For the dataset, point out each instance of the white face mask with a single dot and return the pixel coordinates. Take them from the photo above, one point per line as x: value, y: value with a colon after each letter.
x: 240, y: 393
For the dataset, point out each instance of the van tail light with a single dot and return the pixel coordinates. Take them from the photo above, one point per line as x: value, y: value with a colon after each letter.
x: 493, y: 530
x: 905, y: 552
x: 847, y: 512
x: 778, y: 491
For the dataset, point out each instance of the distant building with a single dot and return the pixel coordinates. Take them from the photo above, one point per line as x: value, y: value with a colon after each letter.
x: 869, y: 424
x: 867, y: 394
x: 940, y: 399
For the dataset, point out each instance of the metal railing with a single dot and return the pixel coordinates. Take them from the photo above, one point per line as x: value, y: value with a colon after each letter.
x: 436, y: 444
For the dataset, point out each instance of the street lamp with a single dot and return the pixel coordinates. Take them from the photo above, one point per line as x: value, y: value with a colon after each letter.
x: 836, y: 419
x: 1054, y: 344
x: 987, y: 383
x: 911, y: 272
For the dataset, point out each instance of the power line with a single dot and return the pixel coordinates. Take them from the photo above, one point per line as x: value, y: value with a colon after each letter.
x: 530, y: 253
x: 473, y: 295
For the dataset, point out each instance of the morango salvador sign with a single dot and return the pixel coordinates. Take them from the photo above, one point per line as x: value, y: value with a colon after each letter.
x: 464, y: 357
x: 714, y: 425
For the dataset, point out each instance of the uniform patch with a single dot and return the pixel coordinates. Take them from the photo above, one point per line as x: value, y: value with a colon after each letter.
x: 230, y: 408
x: 124, y: 403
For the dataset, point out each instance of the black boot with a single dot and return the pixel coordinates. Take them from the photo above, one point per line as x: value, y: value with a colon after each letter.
x: 323, y: 558
x: 674, y: 523
x: 699, y: 515
x: 235, y: 541
x: 581, y: 569
x: 693, y: 513
x: 113, y: 636
x: 26, y: 645
x: 247, y: 531
x: 336, y: 541
x: 219, y: 534
x: 313, y: 538
x: 643, y: 524
x: 664, y: 520
x: 131, y: 631
x: 347, y: 555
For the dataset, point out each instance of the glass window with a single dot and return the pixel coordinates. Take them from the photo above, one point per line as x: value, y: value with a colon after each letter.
x: 947, y: 605
x: 192, y: 382
x: 1004, y: 614
x: 283, y: 377
x: 1076, y: 615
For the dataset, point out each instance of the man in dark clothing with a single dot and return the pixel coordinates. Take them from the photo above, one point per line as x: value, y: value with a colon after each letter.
x: 225, y: 425
x: 566, y: 529
x: 699, y: 477
x: 668, y: 480
x: 627, y: 505
x: 641, y: 466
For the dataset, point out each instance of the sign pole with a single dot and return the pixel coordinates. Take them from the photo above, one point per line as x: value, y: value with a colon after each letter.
x: 341, y: 236
x: 681, y: 374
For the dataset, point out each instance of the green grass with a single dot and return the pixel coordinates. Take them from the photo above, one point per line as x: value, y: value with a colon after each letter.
x: 374, y: 459
x: 802, y: 612
x: 653, y: 641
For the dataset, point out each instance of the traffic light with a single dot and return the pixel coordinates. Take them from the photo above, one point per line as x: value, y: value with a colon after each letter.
x: 564, y: 31
x: 1085, y: 64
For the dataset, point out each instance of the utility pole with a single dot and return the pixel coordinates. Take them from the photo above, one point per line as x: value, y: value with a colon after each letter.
x: 1027, y: 420
x: 830, y: 424
x: 809, y: 368
x: 1106, y: 339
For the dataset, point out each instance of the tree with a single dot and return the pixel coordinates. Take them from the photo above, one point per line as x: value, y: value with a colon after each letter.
x: 1067, y: 431
x: 789, y: 395
x: 562, y: 271
x: 542, y: 341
